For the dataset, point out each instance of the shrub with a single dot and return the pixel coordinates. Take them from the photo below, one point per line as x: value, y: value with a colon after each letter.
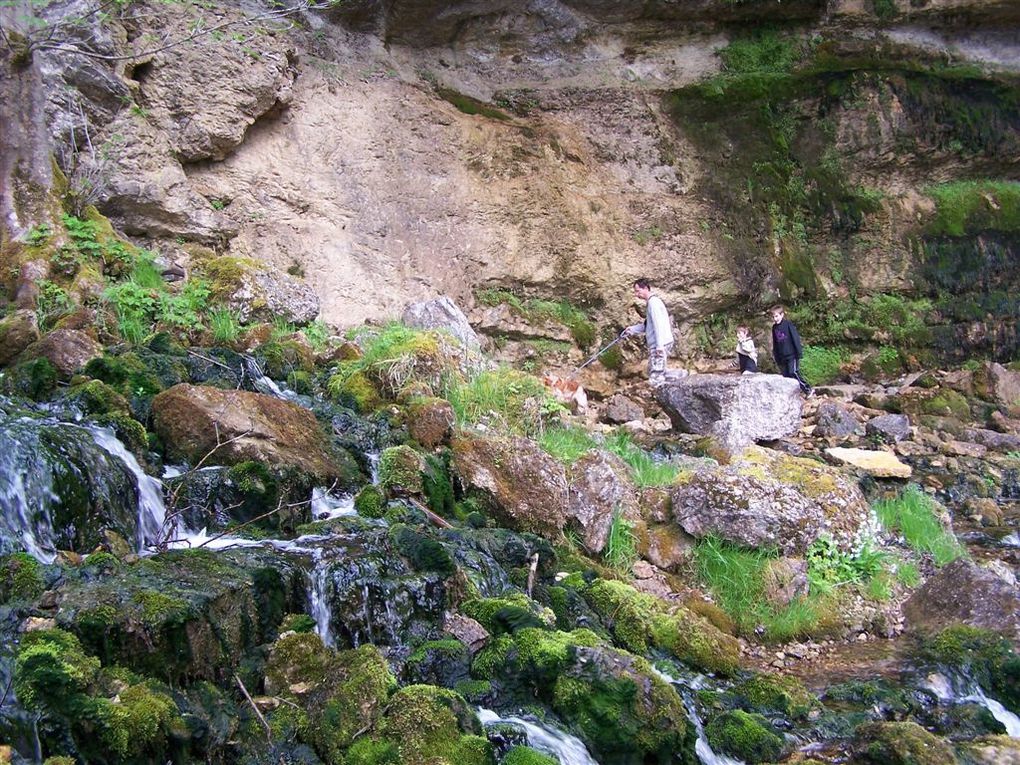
x: 913, y: 515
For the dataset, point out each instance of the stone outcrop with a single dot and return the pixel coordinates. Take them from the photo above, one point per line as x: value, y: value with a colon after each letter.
x: 621, y: 409
x: 736, y: 410
x: 441, y: 313
x: 599, y: 488
x: 67, y: 349
x: 525, y: 488
x: 768, y: 499
x: 964, y: 592
x: 881, y: 464
x: 237, y: 426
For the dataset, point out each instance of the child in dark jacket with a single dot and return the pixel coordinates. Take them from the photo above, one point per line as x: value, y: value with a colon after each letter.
x: 786, y: 347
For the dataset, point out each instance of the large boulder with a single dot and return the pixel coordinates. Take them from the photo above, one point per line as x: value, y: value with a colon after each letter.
x: 441, y: 313
x: 67, y: 349
x: 890, y: 428
x: 835, y: 421
x: 1001, y: 385
x: 524, y: 487
x: 736, y: 410
x: 237, y: 426
x: 964, y: 592
x: 770, y: 499
x: 256, y: 291
x: 621, y: 409
x: 599, y: 488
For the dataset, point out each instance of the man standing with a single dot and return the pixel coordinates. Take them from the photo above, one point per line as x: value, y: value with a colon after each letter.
x: 658, y: 334
x: 786, y: 347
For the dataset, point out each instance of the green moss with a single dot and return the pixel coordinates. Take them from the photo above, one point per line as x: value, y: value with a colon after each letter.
x: 101, y: 562
x: 543, y: 654
x: 373, y: 751
x: 428, y: 725
x: 128, y: 430
x: 370, y: 502
x: 525, y: 755
x: 776, y: 694
x: 60, y: 761
x: 20, y: 577
x: 96, y: 397
x: 35, y: 379
x: 158, y: 607
x: 256, y: 482
x: 821, y: 366
x: 421, y: 551
x: 748, y: 737
x: 474, y: 690
x: 984, y: 655
x: 901, y: 743
x: 472, y: 106
x: 401, y: 467
x: 505, y: 614
x: 967, y: 207
x: 52, y: 671
x: 948, y: 403
x: 301, y: 623
x: 139, y: 719
x: 297, y: 658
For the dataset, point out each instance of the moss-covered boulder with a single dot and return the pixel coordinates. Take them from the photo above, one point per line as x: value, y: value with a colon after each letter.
x: 257, y: 291
x: 621, y: 708
x: 639, y: 621
x: 400, y: 470
x: 340, y: 694
x: 600, y: 490
x: 236, y: 426
x: 424, y: 725
x: 21, y: 578
x: 181, y: 614
x: 990, y: 750
x: 93, y: 712
x: 772, y: 694
x: 17, y: 331
x: 900, y: 743
x: 748, y: 737
x: 525, y: 488
x: 769, y: 499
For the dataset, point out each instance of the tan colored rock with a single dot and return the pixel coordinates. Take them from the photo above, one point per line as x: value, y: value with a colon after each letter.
x: 249, y: 426
x: 785, y: 579
x: 881, y: 464
x: 67, y: 349
x: 36, y: 623
x: 466, y: 630
x: 964, y: 449
x: 665, y: 545
x: 430, y: 421
x: 525, y: 488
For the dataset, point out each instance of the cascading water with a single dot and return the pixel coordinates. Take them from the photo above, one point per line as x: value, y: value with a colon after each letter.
x: 570, y: 750
x: 959, y: 690
x: 151, y: 510
x: 326, y: 506
x: 318, y: 594
x: 263, y: 383
x: 701, y: 746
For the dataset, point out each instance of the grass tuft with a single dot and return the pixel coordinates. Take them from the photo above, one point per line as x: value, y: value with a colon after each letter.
x: 645, y: 471
x: 913, y: 515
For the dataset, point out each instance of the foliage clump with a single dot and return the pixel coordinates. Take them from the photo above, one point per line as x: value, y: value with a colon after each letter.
x: 746, y: 736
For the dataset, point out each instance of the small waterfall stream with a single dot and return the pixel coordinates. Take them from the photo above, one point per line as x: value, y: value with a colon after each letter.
x: 957, y: 690
x: 570, y: 750
x: 265, y: 384
x: 701, y: 747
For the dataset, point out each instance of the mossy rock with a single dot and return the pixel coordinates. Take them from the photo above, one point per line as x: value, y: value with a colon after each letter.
x: 400, y: 469
x: 776, y: 694
x: 984, y: 655
x: 21, y: 578
x: 35, y: 379
x: 422, y: 551
x: 900, y: 743
x: 525, y: 755
x: 748, y: 737
x: 947, y: 403
x: 509, y: 613
x: 96, y: 397
x: 370, y: 502
x: 445, y: 663
x: 622, y: 709
x: 356, y: 390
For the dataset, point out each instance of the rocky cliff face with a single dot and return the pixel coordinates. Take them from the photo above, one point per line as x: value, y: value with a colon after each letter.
x: 389, y: 151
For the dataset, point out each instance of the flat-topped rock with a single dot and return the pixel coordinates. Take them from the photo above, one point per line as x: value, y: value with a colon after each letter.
x: 736, y: 410
x: 881, y: 464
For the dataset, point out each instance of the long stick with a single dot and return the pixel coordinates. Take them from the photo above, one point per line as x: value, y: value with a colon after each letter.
x: 603, y: 350
x: 269, y: 731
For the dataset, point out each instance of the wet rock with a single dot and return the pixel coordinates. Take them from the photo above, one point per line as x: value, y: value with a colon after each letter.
x: 430, y: 421
x: 599, y: 489
x: 1004, y: 424
x: 889, y: 428
x: 466, y: 630
x: 238, y: 426
x: 67, y: 349
x: 964, y: 592
x: 992, y: 750
x: 441, y: 313
x: 835, y: 421
x: 785, y: 580
x: 900, y: 743
x: 736, y: 410
x: 880, y: 464
x: 766, y: 499
x: 17, y: 332
x: 621, y: 409
x: 524, y: 487
x: 990, y: 439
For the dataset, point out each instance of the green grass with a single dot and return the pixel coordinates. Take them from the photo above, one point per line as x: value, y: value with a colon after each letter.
x: 965, y: 207
x: 517, y: 401
x: 224, y: 325
x: 566, y: 444
x: 913, y: 515
x: 536, y: 310
x: 736, y: 578
x: 644, y: 470
x: 621, y: 545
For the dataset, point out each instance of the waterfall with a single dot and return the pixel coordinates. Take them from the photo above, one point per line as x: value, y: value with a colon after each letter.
x: 701, y: 747
x: 151, y: 510
x: 326, y: 506
x: 318, y: 594
x: 948, y: 690
x: 264, y: 384
x: 570, y: 750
